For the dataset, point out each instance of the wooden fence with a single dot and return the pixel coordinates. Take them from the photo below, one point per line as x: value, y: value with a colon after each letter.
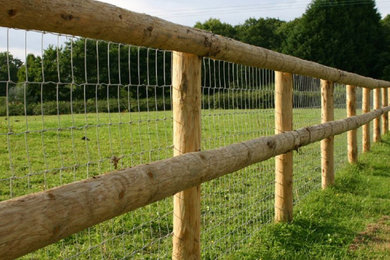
x: 24, y: 225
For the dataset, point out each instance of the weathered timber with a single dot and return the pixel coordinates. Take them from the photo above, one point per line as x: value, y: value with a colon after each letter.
x: 283, y: 162
x: 103, y: 21
x: 352, y: 134
x: 366, y: 128
x: 377, y: 121
x: 186, y: 99
x: 327, y: 145
x: 388, y: 102
x: 385, y: 118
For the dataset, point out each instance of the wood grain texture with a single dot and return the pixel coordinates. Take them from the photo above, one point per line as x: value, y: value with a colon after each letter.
x: 103, y: 21
x: 385, y: 118
x: 366, y: 128
x: 283, y: 162
x: 33, y: 221
x: 377, y: 121
x: 352, y: 134
x: 327, y: 145
x: 388, y: 102
x: 186, y: 101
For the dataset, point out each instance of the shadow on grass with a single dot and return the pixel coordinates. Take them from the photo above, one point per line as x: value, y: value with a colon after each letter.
x: 305, y: 238
x: 381, y: 171
x: 326, y: 222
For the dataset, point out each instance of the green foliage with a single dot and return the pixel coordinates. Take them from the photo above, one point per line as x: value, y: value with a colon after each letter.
x: 330, y: 32
x: 90, y: 106
x: 86, y: 63
x: 345, y: 36
x: 385, y: 57
x: 217, y: 27
x: 262, y: 32
x: 8, y: 61
x: 234, y: 99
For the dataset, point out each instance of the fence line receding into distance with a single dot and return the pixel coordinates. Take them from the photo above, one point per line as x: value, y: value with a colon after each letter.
x: 103, y: 97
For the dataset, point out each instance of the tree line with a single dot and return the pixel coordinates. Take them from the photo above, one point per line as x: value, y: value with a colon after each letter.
x: 346, y: 34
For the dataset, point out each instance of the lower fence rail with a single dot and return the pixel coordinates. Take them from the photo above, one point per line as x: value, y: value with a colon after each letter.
x: 33, y: 221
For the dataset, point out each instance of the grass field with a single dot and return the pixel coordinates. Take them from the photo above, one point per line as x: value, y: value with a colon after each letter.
x: 37, y: 153
x: 347, y: 221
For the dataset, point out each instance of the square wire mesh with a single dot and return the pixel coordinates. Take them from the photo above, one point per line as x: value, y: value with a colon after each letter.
x: 76, y: 108
x: 306, y: 112
x: 237, y: 105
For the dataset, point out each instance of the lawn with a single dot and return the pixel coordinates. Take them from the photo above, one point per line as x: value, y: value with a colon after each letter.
x: 347, y: 221
x: 37, y: 153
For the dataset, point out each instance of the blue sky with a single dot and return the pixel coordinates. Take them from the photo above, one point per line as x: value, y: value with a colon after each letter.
x: 179, y: 11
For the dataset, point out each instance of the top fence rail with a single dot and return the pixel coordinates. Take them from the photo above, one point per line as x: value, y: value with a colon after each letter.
x: 102, y: 21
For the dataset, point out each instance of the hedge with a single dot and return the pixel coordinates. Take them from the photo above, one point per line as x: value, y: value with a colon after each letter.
x: 236, y: 99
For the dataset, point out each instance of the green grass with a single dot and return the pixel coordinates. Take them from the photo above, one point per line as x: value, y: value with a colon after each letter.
x: 44, y: 152
x: 234, y: 207
x: 326, y: 222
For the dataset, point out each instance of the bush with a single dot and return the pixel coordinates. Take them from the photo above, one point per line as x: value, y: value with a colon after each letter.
x: 234, y: 99
x: 80, y: 107
x: 239, y: 99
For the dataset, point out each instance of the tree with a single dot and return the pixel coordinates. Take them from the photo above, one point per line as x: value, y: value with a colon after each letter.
x: 261, y: 32
x: 385, y: 57
x: 34, y: 79
x: 14, y: 65
x: 89, y: 69
x: 216, y: 26
x: 342, y: 34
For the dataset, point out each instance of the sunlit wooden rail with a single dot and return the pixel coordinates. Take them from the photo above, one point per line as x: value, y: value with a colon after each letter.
x: 36, y: 220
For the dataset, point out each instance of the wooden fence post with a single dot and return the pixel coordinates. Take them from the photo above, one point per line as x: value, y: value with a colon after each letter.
x: 388, y: 103
x: 376, y: 125
x: 366, y: 127
x: 327, y: 145
x: 186, y: 99
x: 385, y: 121
x: 351, y: 111
x: 283, y: 162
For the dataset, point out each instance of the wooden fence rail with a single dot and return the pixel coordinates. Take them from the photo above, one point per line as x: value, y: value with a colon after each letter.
x: 96, y: 20
x: 36, y: 220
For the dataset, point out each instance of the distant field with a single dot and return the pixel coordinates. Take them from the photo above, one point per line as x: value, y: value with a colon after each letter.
x: 38, y: 152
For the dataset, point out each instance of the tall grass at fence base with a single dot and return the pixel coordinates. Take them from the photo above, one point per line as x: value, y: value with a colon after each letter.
x: 326, y: 222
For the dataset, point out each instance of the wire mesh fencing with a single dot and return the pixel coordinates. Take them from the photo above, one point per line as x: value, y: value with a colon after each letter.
x: 79, y: 108
x: 306, y: 112
x: 238, y: 105
x: 72, y: 108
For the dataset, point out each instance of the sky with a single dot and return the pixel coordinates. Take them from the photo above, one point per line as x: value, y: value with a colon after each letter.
x: 235, y: 12
x: 183, y: 12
